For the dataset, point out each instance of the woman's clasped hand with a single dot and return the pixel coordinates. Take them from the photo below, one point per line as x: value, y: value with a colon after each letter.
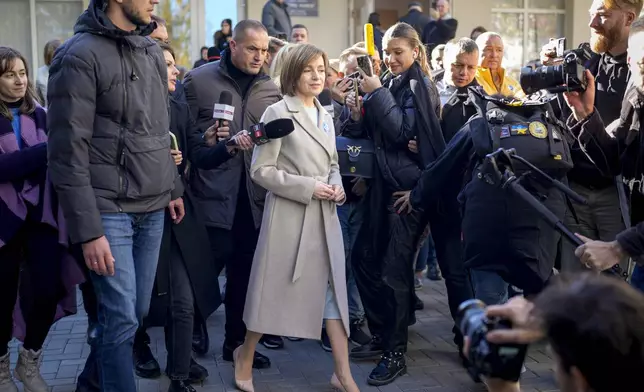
x: 325, y: 191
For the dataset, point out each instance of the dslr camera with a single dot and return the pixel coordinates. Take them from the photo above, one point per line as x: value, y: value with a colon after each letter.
x: 503, y: 361
x: 564, y: 77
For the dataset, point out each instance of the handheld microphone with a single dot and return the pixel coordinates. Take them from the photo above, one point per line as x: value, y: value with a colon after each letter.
x: 326, y: 101
x: 263, y: 133
x: 224, y: 109
x: 369, y: 40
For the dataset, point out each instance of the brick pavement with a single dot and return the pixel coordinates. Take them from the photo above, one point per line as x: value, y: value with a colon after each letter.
x: 303, y: 366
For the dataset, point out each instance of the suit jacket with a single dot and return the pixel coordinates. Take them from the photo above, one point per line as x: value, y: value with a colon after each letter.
x: 300, y: 247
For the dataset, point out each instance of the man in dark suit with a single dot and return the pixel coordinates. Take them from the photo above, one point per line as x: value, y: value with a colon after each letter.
x: 416, y: 18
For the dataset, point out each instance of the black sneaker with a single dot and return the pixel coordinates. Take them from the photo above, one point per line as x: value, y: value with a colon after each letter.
x: 145, y: 365
x: 391, y: 366
x: 433, y: 272
x: 272, y: 342
x: 418, y: 304
x: 325, y: 342
x: 371, y: 350
x: 357, y: 335
x: 294, y: 339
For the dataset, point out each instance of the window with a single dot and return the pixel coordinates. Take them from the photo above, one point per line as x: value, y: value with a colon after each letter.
x: 177, y: 14
x: 526, y: 25
x: 27, y: 25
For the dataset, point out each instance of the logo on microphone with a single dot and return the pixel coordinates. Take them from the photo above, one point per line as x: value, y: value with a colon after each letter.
x: 223, y: 112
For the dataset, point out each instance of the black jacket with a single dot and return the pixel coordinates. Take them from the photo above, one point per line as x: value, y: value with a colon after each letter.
x: 393, y: 118
x: 439, y: 32
x: 417, y: 20
x: 611, y: 79
x: 456, y: 112
x: 215, y: 176
x: 186, y: 242
x: 109, y: 148
x: 617, y: 149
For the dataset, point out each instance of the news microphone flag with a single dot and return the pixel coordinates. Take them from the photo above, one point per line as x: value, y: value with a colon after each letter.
x: 223, y: 109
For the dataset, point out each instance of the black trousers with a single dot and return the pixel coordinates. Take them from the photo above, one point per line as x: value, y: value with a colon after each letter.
x: 386, y: 281
x: 446, y: 232
x: 181, y: 314
x: 37, y: 245
x: 235, y: 249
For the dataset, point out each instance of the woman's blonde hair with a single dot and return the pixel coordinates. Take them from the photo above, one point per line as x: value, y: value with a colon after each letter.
x: 278, y: 63
x: 405, y: 31
x: 294, y: 64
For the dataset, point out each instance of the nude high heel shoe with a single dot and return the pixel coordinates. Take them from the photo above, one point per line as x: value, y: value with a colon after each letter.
x: 242, y: 385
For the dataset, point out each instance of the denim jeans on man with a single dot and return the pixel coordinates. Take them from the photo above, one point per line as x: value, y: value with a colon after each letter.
x: 123, y: 299
x: 350, y: 215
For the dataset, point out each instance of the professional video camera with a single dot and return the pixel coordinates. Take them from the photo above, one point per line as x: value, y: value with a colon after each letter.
x: 502, y: 361
x: 566, y: 76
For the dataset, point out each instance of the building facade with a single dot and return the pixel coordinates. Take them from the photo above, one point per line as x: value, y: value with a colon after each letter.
x: 333, y: 24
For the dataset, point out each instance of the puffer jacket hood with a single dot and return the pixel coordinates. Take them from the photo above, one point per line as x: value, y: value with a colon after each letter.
x: 95, y: 21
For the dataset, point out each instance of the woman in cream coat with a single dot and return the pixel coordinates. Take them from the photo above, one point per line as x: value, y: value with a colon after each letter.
x: 298, y: 273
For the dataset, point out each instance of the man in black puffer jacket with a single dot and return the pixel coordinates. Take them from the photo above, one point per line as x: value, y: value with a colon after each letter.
x: 110, y: 162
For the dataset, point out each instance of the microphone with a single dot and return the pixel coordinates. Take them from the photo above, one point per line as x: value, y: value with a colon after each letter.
x: 326, y: 101
x: 224, y: 109
x: 263, y: 133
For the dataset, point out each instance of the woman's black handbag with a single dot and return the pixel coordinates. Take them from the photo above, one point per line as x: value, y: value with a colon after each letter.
x: 356, y: 157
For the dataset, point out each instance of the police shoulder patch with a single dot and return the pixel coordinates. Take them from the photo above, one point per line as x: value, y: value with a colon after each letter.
x: 538, y: 130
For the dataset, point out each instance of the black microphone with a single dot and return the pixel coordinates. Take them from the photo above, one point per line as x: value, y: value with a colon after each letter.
x: 263, y: 133
x: 224, y: 109
x: 326, y: 100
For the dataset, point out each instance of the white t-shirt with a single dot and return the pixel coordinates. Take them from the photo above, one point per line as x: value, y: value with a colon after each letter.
x: 313, y: 114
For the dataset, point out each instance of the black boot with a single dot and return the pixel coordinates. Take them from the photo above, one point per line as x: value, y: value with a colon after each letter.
x: 259, y: 361
x: 372, y: 350
x: 145, y: 365
x: 197, y: 373
x: 357, y: 335
x: 391, y: 366
x: 180, y: 386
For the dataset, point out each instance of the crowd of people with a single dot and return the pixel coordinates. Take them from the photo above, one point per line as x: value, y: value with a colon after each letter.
x: 119, y: 175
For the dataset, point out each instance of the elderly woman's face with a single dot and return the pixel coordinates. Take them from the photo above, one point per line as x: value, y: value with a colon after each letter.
x: 636, y: 58
x: 492, y: 53
x: 311, y: 82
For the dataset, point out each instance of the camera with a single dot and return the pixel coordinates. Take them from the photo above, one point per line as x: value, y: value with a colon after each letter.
x: 487, y: 359
x: 564, y: 77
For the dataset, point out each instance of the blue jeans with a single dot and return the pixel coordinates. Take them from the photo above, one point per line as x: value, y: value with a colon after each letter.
x: 489, y: 287
x: 426, y: 255
x: 123, y: 299
x: 637, y: 279
x: 350, y: 215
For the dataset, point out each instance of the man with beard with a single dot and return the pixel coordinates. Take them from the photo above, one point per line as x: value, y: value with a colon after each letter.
x: 601, y: 218
x: 110, y: 163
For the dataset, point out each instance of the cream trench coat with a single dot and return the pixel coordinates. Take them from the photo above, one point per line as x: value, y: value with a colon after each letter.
x: 300, y: 247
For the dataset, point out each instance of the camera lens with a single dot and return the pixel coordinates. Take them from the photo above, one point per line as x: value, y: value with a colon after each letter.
x: 541, y: 78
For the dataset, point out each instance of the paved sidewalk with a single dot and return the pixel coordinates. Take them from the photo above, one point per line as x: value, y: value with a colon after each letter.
x: 303, y: 366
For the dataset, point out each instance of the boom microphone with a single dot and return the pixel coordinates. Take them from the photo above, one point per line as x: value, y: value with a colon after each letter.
x: 224, y: 109
x: 326, y: 101
x: 263, y: 133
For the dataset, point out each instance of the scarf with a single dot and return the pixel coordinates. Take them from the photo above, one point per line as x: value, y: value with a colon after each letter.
x: 33, y: 195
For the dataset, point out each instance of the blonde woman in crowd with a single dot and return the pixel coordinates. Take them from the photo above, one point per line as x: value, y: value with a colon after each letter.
x: 298, y: 273
x: 278, y: 63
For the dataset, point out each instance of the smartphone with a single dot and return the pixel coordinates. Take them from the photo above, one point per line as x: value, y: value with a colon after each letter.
x: 365, y: 64
x: 356, y: 89
x: 173, y: 144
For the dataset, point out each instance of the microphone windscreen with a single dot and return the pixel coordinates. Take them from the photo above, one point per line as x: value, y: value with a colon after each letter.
x: 279, y: 128
x: 226, y: 98
x: 325, y: 97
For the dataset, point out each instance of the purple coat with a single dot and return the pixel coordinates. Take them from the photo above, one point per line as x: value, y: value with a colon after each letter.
x: 24, y: 183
